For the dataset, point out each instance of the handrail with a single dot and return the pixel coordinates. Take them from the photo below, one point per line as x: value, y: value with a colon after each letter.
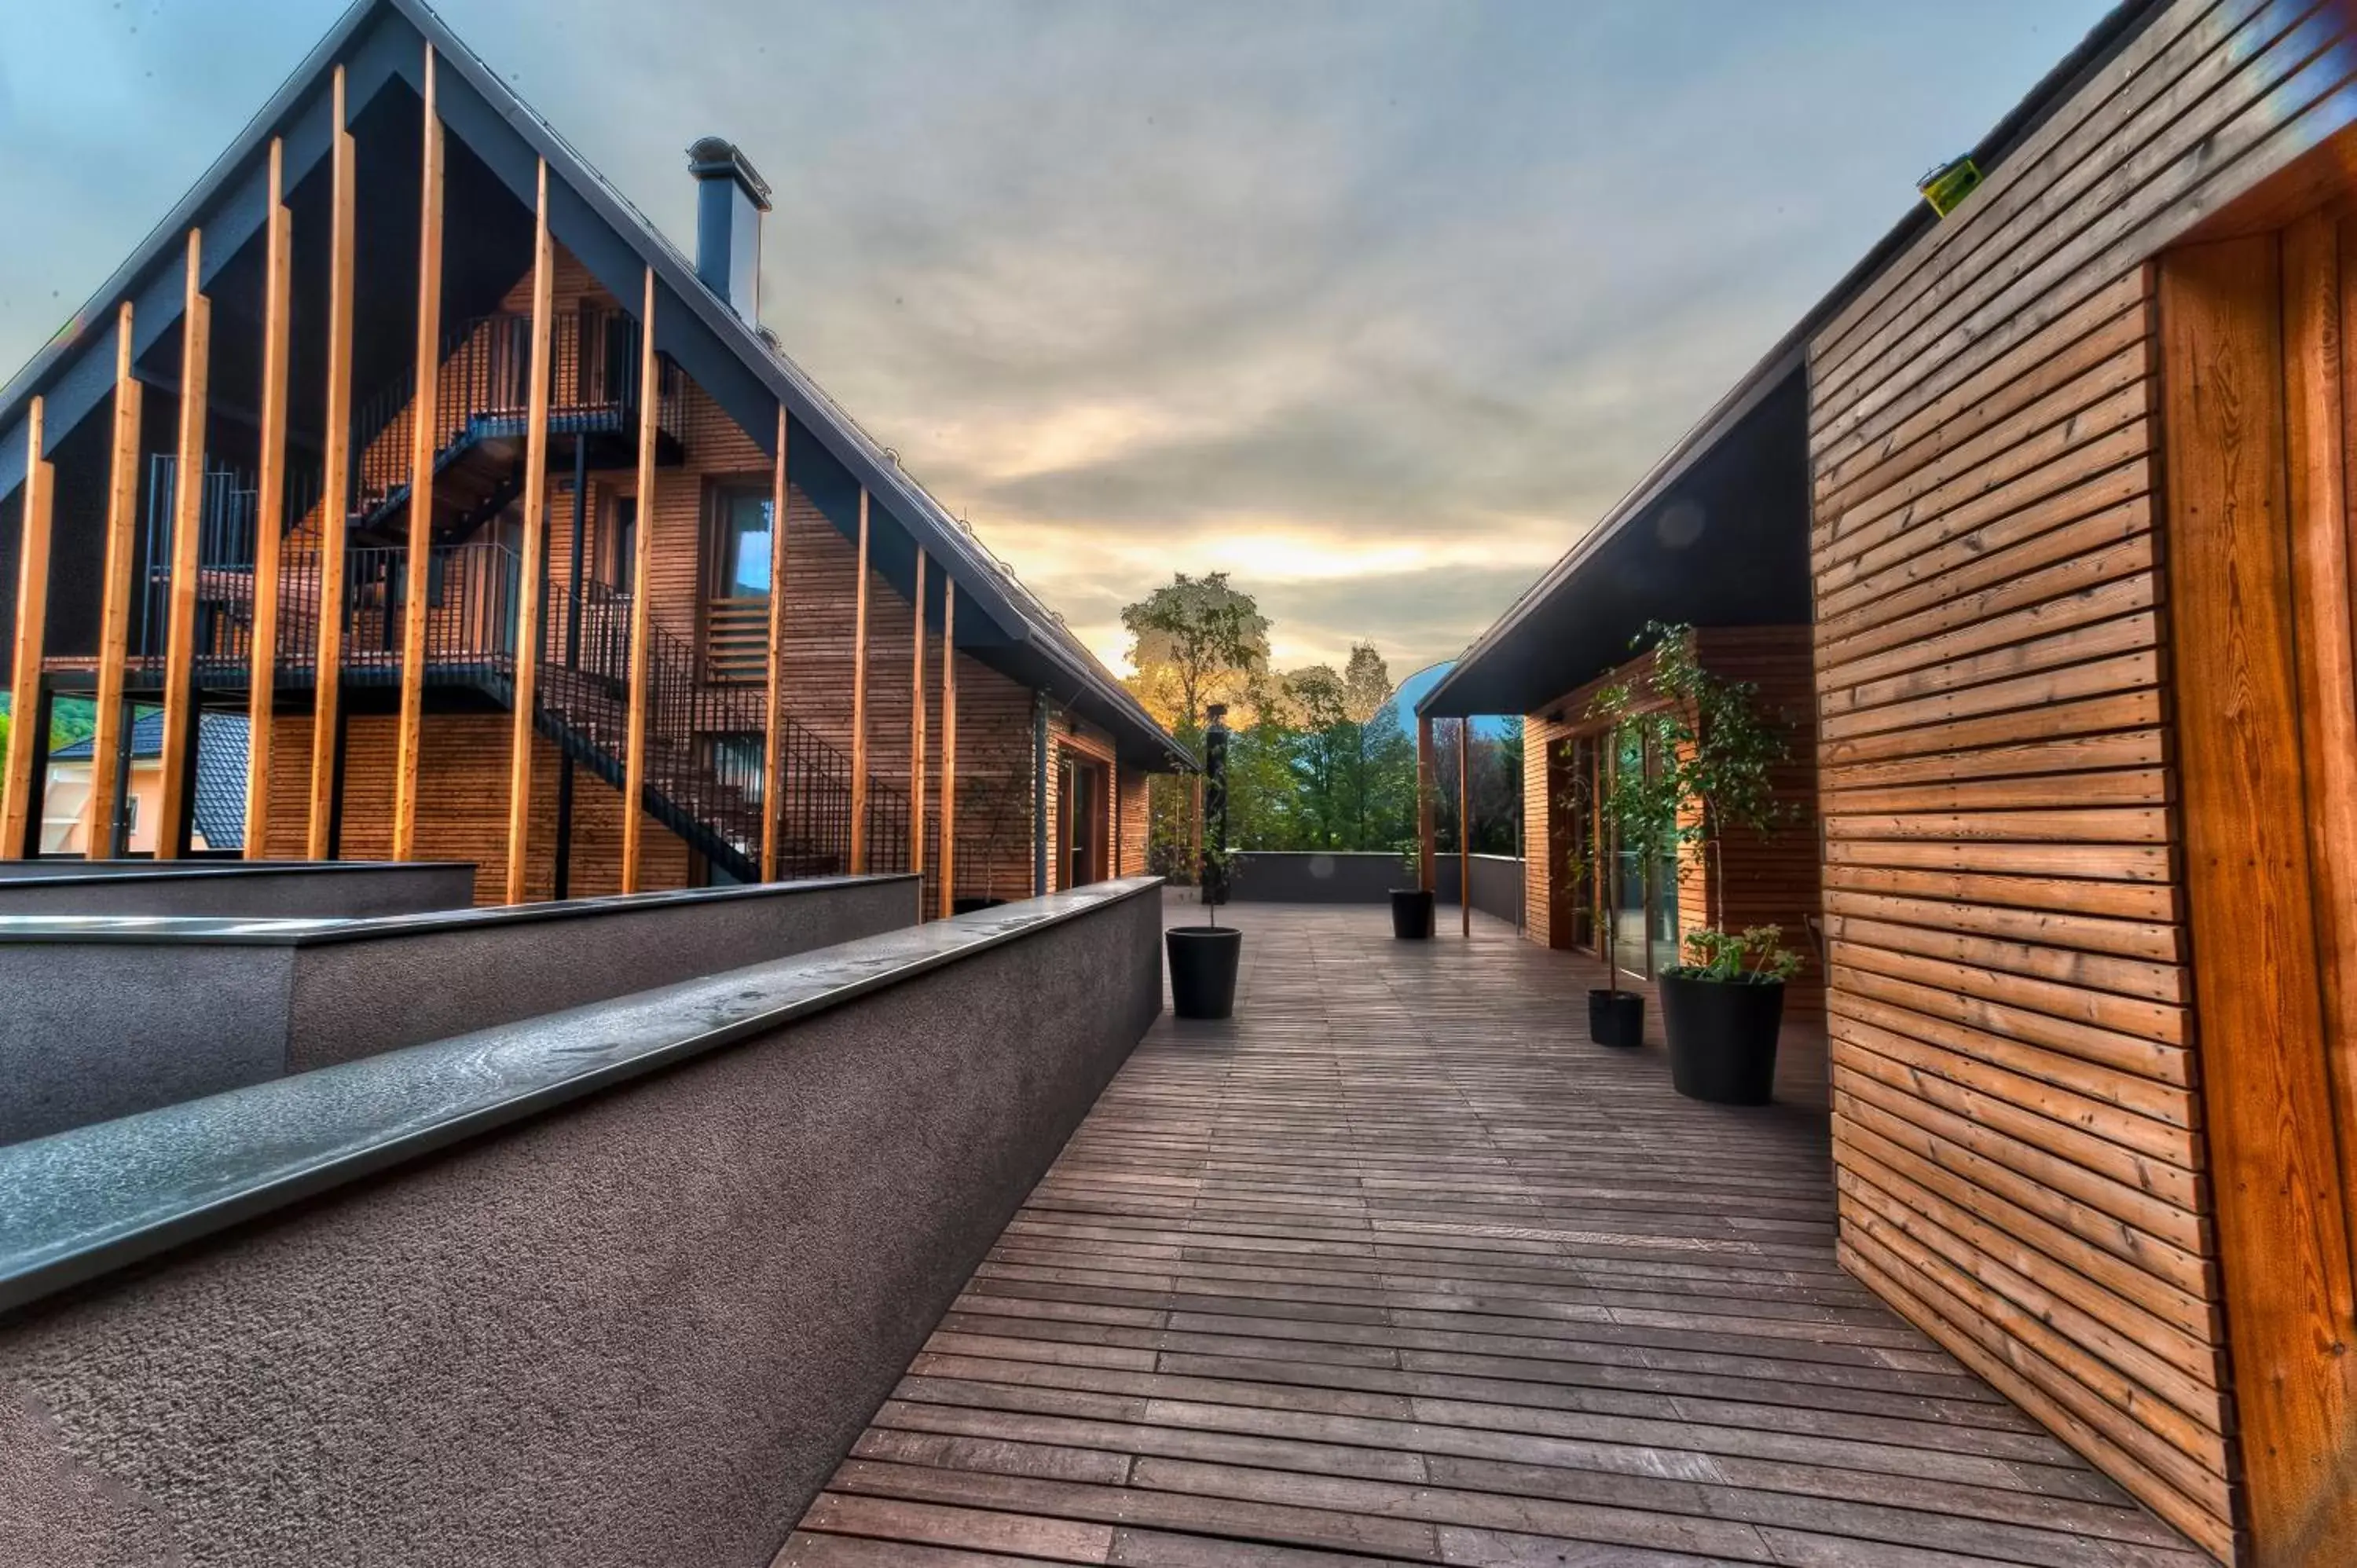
x: 705, y: 749
x: 482, y: 390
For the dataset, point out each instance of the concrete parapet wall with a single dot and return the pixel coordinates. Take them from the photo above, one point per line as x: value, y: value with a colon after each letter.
x: 233, y: 888
x: 640, y: 1325
x: 110, y: 1017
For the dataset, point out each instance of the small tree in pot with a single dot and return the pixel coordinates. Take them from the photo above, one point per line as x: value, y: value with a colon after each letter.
x: 1712, y: 756
x: 1410, y: 901
x: 1638, y: 808
x: 1204, y: 959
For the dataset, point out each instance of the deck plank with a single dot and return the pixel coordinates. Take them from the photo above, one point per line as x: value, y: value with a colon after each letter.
x: 1398, y: 1267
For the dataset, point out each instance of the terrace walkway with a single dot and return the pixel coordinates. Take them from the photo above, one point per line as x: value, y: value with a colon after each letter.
x: 1397, y: 1265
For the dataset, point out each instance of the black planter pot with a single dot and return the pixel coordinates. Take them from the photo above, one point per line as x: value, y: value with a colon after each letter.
x: 1411, y: 913
x: 1615, y: 1018
x: 969, y: 905
x: 1723, y: 1038
x: 1203, y: 962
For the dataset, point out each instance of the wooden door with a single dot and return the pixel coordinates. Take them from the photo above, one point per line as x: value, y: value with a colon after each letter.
x: 2256, y: 404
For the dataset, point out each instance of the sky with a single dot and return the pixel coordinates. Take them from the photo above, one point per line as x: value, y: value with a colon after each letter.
x: 1376, y: 304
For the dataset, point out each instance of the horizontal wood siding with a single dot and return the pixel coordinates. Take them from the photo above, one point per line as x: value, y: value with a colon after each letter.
x: 462, y: 805
x: 2016, y: 1114
x: 1770, y: 879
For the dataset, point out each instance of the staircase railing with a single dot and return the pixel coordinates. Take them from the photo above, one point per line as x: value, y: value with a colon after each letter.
x: 704, y: 744
x: 481, y: 391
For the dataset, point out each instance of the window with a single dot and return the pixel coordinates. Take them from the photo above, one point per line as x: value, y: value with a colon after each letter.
x: 622, y: 544
x: 742, y: 532
x: 738, y: 761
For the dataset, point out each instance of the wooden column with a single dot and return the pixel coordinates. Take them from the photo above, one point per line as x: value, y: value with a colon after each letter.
x: 533, y: 592
x: 26, y: 719
x: 270, y: 504
x: 424, y: 439
x: 947, y: 873
x: 1465, y: 826
x: 917, y: 736
x: 335, y: 492
x: 114, y: 612
x: 1424, y: 798
x: 634, y: 769
x: 187, y: 523
x: 2258, y: 600
x: 773, y: 746
x: 859, y: 704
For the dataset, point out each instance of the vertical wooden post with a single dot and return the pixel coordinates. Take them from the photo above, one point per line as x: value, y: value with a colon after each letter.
x: 1425, y: 787
x: 947, y: 873
x: 26, y: 721
x: 115, y: 613
x: 773, y: 746
x: 1465, y: 826
x: 2254, y: 513
x: 859, y: 704
x: 532, y: 574
x: 634, y: 770
x: 916, y: 739
x: 270, y: 504
x: 187, y: 525
x: 335, y: 493
x: 424, y: 440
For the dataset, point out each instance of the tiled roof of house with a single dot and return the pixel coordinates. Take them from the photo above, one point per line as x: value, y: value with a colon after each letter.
x: 220, y: 802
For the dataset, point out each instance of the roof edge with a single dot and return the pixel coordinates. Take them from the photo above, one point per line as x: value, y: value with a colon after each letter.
x: 2109, y: 34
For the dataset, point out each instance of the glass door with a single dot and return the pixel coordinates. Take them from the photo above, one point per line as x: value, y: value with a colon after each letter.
x: 1644, y: 898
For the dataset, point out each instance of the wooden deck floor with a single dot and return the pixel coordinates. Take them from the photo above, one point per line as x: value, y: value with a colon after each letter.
x: 1397, y: 1265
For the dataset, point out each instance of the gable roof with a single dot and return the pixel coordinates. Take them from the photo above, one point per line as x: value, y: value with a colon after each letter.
x: 377, y: 42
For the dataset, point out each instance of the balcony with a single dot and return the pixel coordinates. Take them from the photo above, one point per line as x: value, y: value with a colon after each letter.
x: 1396, y: 1266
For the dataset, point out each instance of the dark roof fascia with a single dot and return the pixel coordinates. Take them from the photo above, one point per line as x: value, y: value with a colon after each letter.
x: 76, y: 368
x: 725, y: 352
x: 2117, y: 27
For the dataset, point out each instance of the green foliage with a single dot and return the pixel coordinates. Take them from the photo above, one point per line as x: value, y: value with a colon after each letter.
x: 1694, y: 758
x: 70, y: 719
x: 1195, y: 641
x: 1757, y: 955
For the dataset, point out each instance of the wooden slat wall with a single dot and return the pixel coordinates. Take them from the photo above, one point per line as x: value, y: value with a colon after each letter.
x: 1137, y: 824
x: 462, y: 805
x: 2016, y: 1115
x: 1772, y: 880
x: 994, y: 759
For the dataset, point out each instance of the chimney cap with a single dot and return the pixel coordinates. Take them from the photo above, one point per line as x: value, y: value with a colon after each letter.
x: 713, y: 156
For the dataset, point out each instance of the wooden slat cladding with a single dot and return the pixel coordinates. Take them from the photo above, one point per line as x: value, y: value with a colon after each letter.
x: 464, y: 778
x: 2017, y: 1110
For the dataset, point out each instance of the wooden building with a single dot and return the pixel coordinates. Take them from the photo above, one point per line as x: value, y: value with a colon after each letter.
x: 608, y: 594
x: 2071, y: 552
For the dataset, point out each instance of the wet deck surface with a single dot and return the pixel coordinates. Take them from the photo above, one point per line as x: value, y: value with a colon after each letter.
x: 1398, y: 1265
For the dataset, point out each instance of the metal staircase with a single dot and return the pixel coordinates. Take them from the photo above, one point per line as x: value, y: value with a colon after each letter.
x: 704, y: 741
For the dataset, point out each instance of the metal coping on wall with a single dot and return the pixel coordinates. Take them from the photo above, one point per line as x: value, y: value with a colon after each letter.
x: 94, y: 1199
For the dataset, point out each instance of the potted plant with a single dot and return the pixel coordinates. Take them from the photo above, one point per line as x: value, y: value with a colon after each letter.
x: 1711, y: 759
x: 1411, y: 905
x: 1723, y: 1012
x: 1640, y: 818
x: 1204, y: 959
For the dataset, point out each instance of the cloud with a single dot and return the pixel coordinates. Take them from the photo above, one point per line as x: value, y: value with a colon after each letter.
x: 1376, y: 303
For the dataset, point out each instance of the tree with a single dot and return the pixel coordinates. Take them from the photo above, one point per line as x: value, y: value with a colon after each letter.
x: 1194, y: 642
